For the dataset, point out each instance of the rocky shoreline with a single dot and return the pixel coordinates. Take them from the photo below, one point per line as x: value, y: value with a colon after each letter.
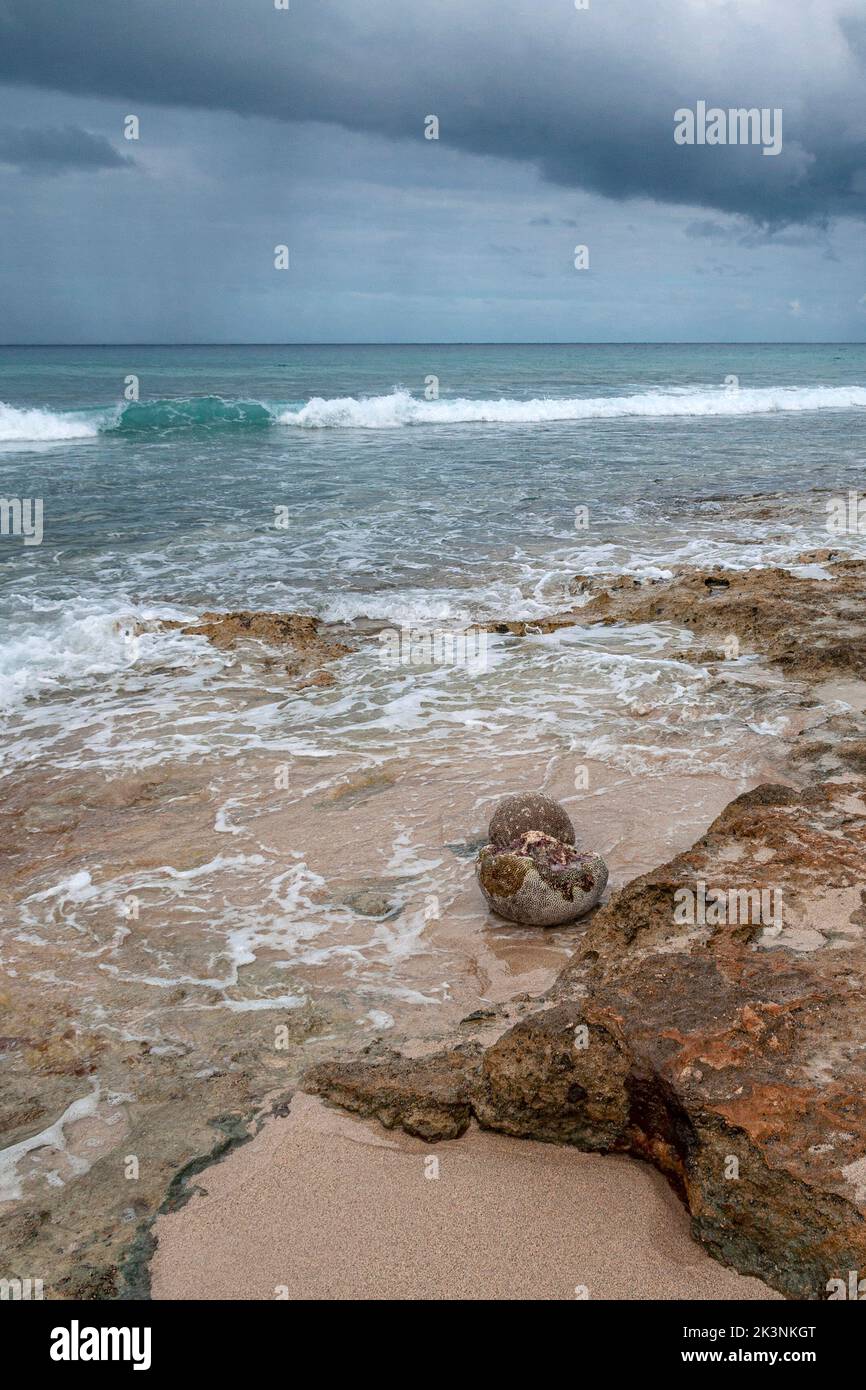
x: 728, y: 1052
x: 686, y: 1044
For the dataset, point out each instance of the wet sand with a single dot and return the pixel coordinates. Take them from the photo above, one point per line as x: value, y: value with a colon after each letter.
x: 323, y: 1206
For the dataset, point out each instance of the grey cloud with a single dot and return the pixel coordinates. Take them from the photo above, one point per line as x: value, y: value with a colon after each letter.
x: 586, y: 97
x: 740, y: 231
x: 853, y: 26
x: 56, y: 149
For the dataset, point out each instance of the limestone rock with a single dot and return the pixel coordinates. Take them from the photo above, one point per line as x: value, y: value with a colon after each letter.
x: 811, y: 627
x: 428, y: 1098
x: 260, y: 634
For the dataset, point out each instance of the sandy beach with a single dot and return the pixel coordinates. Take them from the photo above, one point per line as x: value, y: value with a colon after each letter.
x: 323, y: 1206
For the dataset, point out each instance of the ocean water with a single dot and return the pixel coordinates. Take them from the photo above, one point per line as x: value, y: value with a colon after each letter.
x: 327, y: 480
x: 323, y: 480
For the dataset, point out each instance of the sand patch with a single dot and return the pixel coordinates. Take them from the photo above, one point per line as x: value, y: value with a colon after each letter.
x: 321, y: 1205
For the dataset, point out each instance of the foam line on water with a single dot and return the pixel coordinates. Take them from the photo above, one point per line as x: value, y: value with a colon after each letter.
x: 399, y: 408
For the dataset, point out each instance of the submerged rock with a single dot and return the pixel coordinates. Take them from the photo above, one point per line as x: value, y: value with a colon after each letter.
x: 540, y: 881
x: 811, y: 625
x: 371, y: 902
x: 259, y: 635
x: 275, y: 629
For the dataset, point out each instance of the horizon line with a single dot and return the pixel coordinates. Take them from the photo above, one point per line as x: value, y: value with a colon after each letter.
x: 481, y: 342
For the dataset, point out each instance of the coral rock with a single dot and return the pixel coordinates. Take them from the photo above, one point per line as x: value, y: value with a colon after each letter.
x: 528, y: 811
x: 540, y: 881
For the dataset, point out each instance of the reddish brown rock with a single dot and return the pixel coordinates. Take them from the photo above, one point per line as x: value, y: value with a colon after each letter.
x: 727, y: 1053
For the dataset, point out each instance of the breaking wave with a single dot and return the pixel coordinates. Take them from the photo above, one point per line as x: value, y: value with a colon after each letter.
x: 399, y: 409
x: 136, y: 417
x: 27, y: 426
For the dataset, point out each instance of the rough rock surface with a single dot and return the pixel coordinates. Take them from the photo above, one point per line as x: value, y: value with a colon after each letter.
x: 810, y: 626
x: 540, y: 881
x: 524, y: 811
x: 728, y: 1051
x: 296, y: 631
x: 429, y: 1097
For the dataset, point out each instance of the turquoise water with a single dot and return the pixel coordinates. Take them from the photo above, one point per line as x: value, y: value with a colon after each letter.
x: 322, y: 479
x: 180, y: 489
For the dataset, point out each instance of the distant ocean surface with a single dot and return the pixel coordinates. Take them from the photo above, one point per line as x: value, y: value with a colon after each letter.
x: 333, y: 480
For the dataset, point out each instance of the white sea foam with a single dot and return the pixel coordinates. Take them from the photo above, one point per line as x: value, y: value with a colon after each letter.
x: 34, y: 425
x: 53, y: 1137
x: 78, y: 646
x: 400, y: 408
x: 407, y: 608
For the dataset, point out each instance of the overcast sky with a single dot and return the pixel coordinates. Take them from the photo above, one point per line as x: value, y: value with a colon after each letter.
x: 262, y: 126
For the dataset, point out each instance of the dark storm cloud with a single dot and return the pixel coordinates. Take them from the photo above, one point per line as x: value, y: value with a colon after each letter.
x: 55, y: 150
x: 587, y: 97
